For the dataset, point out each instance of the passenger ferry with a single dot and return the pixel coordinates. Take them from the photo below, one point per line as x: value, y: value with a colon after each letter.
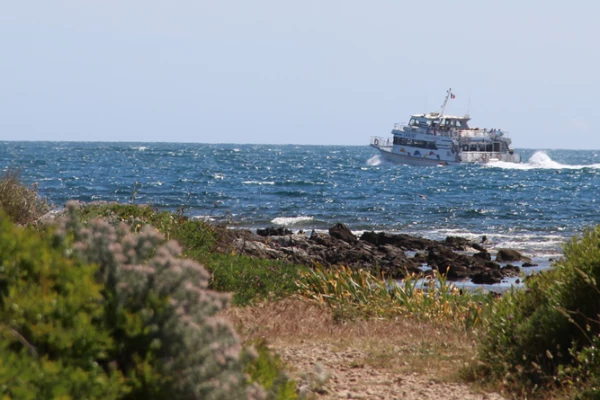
x: 439, y: 139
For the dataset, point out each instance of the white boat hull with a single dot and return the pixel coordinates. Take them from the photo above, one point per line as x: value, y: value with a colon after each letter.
x: 481, y: 157
x: 387, y: 155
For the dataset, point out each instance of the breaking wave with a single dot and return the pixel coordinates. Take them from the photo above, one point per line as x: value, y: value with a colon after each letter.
x: 290, y: 221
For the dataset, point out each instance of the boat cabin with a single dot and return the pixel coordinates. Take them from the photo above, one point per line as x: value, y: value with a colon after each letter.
x: 437, y: 121
x: 454, y: 123
x: 496, y: 146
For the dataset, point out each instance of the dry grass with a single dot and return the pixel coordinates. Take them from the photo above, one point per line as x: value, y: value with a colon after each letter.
x: 399, y: 345
x: 21, y: 204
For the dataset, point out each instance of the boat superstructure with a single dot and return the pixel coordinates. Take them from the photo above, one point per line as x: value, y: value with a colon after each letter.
x: 439, y: 139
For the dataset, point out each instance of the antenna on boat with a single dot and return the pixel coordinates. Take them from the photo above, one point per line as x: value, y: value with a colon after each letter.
x: 448, y: 93
x: 469, y: 106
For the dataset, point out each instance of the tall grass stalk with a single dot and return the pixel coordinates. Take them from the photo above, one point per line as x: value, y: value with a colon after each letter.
x: 357, y: 293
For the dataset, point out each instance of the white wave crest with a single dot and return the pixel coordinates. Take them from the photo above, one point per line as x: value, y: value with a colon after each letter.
x: 374, y: 161
x: 539, y: 160
x: 258, y: 183
x: 288, y: 221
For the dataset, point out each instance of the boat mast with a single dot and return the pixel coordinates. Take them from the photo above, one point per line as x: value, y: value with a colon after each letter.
x: 448, y: 93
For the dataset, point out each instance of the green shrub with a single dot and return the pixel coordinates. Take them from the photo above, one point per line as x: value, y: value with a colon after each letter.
x: 161, y: 314
x: 20, y: 204
x: 536, y: 338
x: 247, y: 278
x: 266, y: 369
x: 252, y: 279
x: 50, y: 343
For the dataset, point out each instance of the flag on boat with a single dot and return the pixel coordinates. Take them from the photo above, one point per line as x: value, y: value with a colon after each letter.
x: 452, y: 96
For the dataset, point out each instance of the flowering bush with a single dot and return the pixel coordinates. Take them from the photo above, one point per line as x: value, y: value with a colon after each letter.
x: 169, y: 342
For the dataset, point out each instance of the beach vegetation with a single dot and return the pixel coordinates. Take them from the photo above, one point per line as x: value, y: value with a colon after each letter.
x: 357, y: 293
x: 547, y: 336
x: 52, y: 344
x: 248, y: 278
x: 107, y: 303
x: 20, y: 203
x: 99, y: 311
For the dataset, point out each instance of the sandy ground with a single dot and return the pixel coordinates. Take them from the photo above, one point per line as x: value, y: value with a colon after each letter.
x: 342, y: 375
x: 376, y: 359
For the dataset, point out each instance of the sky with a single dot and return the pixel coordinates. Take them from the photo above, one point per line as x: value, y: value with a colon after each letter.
x: 323, y: 72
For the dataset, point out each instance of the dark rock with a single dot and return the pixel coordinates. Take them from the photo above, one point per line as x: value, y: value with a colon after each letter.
x: 273, y: 231
x: 462, y: 244
x: 511, y: 270
x: 419, y: 258
x: 382, y: 251
x: 487, y: 277
x: 399, y: 240
x: 369, y: 237
x: 323, y: 239
x: 483, y: 255
x: 492, y: 265
x: 507, y: 255
x: 441, y: 257
x: 457, y: 243
x: 342, y: 232
x: 528, y: 264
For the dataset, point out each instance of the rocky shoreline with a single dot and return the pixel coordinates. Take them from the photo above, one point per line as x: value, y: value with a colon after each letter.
x: 394, y: 254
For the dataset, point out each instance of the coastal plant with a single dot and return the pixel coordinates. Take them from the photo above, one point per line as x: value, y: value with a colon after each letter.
x: 51, y: 345
x: 547, y: 335
x: 252, y: 279
x: 170, y: 341
x: 357, y: 293
x: 197, y: 237
x: 266, y: 369
x: 20, y: 203
x: 247, y: 278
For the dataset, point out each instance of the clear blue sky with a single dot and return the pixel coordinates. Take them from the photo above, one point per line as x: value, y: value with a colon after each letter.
x: 305, y: 72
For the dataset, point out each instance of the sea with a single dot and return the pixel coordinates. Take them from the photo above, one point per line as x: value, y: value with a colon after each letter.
x: 533, y: 207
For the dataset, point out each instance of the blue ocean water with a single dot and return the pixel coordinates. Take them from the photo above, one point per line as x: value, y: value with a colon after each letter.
x: 534, y: 206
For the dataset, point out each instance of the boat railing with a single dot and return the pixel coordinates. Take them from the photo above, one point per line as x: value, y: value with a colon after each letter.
x: 477, y: 132
x: 379, y: 141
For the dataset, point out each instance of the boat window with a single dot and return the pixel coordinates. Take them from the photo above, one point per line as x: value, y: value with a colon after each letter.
x: 423, y: 144
x: 499, y: 147
x: 488, y: 147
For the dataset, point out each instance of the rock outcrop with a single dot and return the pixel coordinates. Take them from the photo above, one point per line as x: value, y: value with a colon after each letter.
x: 458, y: 257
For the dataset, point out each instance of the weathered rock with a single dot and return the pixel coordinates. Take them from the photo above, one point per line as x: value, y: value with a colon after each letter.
x: 483, y: 255
x: 341, y: 231
x: 256, y: 249
x: 487, y: 277
x: 528, y: 264
x: 440, y: 257
x: 511, y: 270
x: 386, y: 252
x: 273, y: 231
x: 507, y: 255
x: 405, y: 242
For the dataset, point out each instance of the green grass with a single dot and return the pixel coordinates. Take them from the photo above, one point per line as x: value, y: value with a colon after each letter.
x: 248, y: 278
x: 361, y: 294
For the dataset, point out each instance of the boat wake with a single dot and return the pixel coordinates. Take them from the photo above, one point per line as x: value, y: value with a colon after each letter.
x: 539, y: 160
x: 374, y: 161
